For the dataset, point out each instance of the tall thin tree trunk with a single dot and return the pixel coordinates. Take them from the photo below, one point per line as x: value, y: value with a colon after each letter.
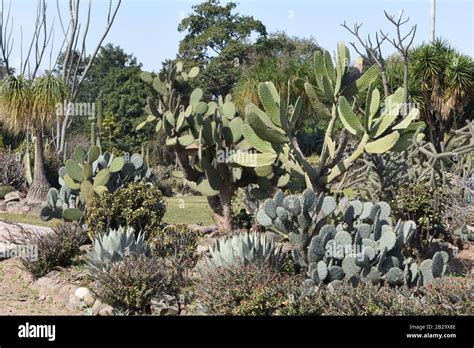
x: 40, y: 186
x: 405, y: 86
x: 386, y: 89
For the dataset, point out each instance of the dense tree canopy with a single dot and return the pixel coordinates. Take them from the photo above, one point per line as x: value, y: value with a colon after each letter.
x: 217, y: 40
x: 123, y: 102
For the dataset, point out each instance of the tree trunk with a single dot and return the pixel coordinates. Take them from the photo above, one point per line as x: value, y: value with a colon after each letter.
x: 386, y: 90
x: 40, y: 186
x: 222, y: 209
x: 405, y: 86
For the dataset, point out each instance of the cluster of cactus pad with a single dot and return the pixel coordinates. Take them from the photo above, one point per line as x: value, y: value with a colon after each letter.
x: 378, y: 129
x: 465, y: 234
x: 89, y: 174
x: 254, y: 248
x: 351, y: 240
x: 208, y: 131
x: 113, y: 247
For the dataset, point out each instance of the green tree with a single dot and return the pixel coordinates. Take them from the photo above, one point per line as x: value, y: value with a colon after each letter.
x: 110, y: 57
x: 217, y: 40
x: 124, y: 97
x: 277, y: 58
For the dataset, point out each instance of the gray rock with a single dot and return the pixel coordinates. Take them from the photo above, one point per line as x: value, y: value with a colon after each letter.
x: 96, y: 307
x: 164, y: 304
x: 106, y: 310
x: 332, y: 286
x: 81, y: 293
x: 89, y: 300
x: 12, y: 197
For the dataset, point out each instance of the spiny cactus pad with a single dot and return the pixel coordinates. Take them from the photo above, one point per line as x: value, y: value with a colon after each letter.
x: 357, y: 241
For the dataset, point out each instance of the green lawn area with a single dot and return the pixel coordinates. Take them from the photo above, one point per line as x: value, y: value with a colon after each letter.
x: 188, y: 210
x: 180, y: 210
x: 25, y: 219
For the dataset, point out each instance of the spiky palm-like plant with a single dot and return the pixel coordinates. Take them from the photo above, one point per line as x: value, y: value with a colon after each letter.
x: 28, y: 104
x: 447, y: 85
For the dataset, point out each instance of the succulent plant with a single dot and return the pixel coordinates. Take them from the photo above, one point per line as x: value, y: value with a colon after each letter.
x: 271, y: 131
x: 204, y: 136
x: 465, y: 234
x: 246, y: 248
x: 352, y: 240
x: 89, y: 174
x: 218, y: 151
x: 113, y: 247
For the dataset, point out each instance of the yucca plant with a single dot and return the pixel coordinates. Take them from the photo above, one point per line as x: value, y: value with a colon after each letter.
x: 26, y: 104
x: 114, y: 247
x: 246, y: 248
x: 447, y: 85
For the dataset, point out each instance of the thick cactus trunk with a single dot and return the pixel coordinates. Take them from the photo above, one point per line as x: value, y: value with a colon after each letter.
x: 40, y: 186
x: 221, y: 205
x: 222, y: 210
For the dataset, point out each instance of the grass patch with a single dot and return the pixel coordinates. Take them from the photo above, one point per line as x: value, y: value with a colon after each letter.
x: 188, y: 210
x: 26, y: 219
x: 180, y: 210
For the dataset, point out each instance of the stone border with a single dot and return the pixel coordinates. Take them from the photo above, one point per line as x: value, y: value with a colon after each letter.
x: 69, y: 294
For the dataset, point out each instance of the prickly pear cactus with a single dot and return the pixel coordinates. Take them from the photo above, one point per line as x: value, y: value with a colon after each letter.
x: 208, y: 132
x: 351, y: 240
x: 271, y: 130
x: 89, y: 174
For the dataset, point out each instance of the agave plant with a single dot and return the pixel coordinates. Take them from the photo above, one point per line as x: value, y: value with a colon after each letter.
x: 113, y: 247
x: 246, y: 248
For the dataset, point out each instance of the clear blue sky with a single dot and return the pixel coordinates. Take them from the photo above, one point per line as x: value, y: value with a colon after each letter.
x: 148, y: 28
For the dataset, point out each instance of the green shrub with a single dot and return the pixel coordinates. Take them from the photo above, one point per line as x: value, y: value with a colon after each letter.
x: 4, y: 189
x: 445, y: 296
x: 56, y: 249
x: 139, y: 206
x: 423, y: 204
x: 176, y: 245
x: 242, y: 220
x: 168, y: 184
x: 130, y: 285
x: 248, y: 290
x: 52, y: 163
x: 242, y: 217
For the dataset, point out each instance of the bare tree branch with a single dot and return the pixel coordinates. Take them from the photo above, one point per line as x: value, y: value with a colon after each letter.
x: 402, y: 44
x: 373, y: 53
x: 72, y: 75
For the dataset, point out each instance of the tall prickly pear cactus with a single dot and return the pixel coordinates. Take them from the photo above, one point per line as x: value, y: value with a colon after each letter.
x: 378, y: 128
x: 204, y: 135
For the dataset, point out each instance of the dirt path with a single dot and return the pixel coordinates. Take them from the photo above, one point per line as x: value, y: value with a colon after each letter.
x: 17, y: 298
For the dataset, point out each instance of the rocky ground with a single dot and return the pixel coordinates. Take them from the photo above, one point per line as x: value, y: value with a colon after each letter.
x: 18, y: 298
